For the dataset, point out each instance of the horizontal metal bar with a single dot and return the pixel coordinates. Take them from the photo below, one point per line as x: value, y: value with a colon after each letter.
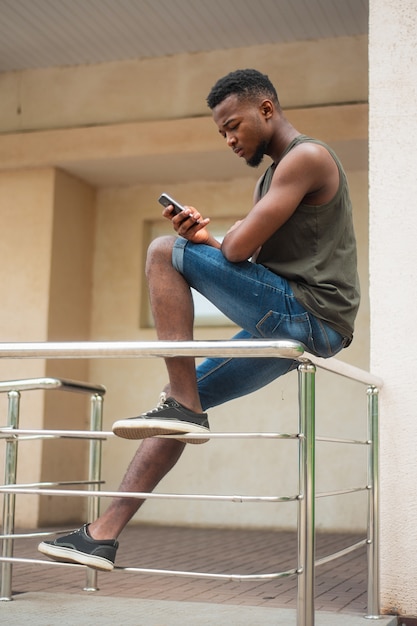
x: 360, y: 442
x: 24, y: 561
x: 228, y: 577
x: 30, y: 488
x: 23, y: 438
x: 143, y: 495
x: 66, y: 483
x: 345, y: 369
x: 166, y: 572
x: 46, y: 533
x: 127, y: 349
x: 340, y: 492
x: 340, y: 553
x: 59, y: 384
x: 13, y: 433
x: 7, y: 432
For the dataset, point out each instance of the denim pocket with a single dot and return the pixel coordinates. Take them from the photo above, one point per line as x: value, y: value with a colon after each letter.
x: 276, y: 325
x: 327, y: 342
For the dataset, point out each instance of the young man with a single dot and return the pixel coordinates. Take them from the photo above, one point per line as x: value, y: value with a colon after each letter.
x: 300, y: 283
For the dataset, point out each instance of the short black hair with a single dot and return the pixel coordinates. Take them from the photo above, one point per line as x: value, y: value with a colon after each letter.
x: 245, y: 84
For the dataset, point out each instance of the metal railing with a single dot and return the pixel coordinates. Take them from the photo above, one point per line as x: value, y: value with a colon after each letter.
x: 306, y: 436
x: 12, y: 435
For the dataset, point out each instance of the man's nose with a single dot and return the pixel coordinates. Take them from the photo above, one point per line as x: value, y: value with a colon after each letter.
x: 231, y: 140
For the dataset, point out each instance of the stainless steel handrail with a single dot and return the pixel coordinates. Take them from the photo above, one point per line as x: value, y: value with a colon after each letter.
x: 13, y: 389
x: 306, y: 377
x: 142, y: 495
x: 284, y: 349
x: 60, y: 384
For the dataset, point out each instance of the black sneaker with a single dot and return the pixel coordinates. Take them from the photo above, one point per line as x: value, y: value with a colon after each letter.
x: 79, y: 547
x: 168, y: 418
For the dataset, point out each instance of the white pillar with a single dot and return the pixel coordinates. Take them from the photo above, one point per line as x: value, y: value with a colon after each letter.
x: 393, y: 286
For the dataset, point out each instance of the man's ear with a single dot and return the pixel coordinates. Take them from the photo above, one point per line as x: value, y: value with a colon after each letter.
x: 267, y: 109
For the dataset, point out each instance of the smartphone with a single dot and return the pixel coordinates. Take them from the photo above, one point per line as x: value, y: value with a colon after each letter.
x: 166, y: 200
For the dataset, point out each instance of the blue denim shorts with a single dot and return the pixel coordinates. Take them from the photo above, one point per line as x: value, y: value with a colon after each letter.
x: 263, y: 305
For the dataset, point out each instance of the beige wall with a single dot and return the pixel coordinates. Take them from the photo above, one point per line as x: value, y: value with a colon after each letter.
x: 99, y: 292
x: 313, y: 73
x: 393, y: 278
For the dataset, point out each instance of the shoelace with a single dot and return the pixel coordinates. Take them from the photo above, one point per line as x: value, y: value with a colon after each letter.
x: 161, y: 403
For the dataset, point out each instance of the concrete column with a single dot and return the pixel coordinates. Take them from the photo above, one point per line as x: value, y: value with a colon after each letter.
x: 26, y: 213
x: 393, y: 291
x: 69, y: 314
x: 47, y: 221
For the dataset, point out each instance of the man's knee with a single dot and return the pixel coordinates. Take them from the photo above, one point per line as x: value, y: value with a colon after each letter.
x: 159, y: 250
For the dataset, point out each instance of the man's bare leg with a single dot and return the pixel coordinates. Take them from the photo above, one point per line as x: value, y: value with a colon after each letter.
x: 153, y: 459
x: 173, y: 312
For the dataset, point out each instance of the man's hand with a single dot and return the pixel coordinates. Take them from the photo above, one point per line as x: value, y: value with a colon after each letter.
x: 191, y: 225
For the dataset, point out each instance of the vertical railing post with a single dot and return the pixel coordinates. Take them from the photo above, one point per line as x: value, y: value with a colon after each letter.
x: 9, y: 501
x: 373, y: 504
x: 306, y: 508
x: 94, y: 476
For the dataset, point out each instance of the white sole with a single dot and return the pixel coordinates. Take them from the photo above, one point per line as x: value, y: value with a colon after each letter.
x: 143, y: 428
x: 68, y: 555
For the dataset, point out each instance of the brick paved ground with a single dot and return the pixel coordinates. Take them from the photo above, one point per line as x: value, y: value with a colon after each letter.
x: 340, y: 585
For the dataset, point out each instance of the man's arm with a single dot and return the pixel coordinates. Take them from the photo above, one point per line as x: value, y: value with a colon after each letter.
x: 307, y: 172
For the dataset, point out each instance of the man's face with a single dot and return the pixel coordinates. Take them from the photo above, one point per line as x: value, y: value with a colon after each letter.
x: 243, y: 126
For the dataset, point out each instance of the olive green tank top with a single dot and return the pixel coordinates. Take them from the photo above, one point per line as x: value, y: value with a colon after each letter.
x: 315, y: 250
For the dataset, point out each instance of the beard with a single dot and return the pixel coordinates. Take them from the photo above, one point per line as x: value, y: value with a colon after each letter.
x: 258, y: 156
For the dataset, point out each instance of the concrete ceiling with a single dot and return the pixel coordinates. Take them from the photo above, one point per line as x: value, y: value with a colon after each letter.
x: 57, y: 33
x: 47, y: 33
